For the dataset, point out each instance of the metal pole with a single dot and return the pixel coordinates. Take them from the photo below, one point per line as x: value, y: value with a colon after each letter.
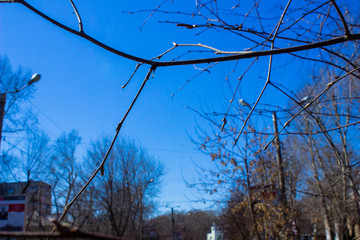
x: 279, y: 163
x: 2, y: 113
x: 172, y: 219
x: 281, y: 178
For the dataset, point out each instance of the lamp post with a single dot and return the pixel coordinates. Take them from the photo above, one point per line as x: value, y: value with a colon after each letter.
x: 35, y: 78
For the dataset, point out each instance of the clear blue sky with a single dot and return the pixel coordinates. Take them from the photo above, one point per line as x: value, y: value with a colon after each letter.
x: 81, y: 83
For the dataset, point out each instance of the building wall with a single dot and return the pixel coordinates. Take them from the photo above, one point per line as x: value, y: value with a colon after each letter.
x: 38, y: 200
x: 215, y: 234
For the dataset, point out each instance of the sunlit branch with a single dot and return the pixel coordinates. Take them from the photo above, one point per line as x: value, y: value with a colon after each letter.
x: 78, y: 16
x: 253, y: 54
x: 216, y: 51
x: 167, y: 51
x: 132, y: 75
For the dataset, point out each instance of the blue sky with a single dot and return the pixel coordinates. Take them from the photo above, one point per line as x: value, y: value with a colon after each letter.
x: 81, y: 83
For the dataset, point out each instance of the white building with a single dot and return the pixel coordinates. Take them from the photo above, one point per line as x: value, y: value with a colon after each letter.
x: 215, y: 234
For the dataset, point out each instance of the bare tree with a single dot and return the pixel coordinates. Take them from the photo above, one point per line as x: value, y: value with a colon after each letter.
x: 64, y: 169
x: 333, y: 155
x: 15, y: 116
x: 193, y: 224
x: 235, y: 218
x: 34, y: 161
x: 30, y: 170
x: 124, y: 195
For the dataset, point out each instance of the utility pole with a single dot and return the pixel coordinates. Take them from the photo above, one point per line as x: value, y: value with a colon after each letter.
x: 279, y: 161
x: 2, y: 113
x: 172, y: 220
x: 281, y: 179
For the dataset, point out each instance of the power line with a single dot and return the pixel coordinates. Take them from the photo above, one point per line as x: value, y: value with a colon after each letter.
x: 47, y: 116
x: 147, y: 149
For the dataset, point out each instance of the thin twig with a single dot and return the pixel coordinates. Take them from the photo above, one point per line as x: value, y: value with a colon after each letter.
x: 128, y: 81
x: 189, y: 80
x: 253, y: 54
x: 83, y: 35
x: 167, y: 51
x: 216, y: 51
x: 346, y: 28
x: 78, y: 17
x: 101, y: 166
x: 268, y: 74
x: 152, y: 13
x: 304, y: 15
x: 234, y: 94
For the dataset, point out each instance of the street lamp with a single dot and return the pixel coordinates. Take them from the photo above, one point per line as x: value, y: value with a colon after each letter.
x: 35, y: 78
x: 305, y: 100
x: 243, y: 103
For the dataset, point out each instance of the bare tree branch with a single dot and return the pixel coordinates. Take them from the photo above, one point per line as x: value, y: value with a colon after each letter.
x: 269, y: 72
x: 81, y: 30
x: 309, y: 46
x: 346, y: 28
x: 101, y: 166
x: 329, y: 85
